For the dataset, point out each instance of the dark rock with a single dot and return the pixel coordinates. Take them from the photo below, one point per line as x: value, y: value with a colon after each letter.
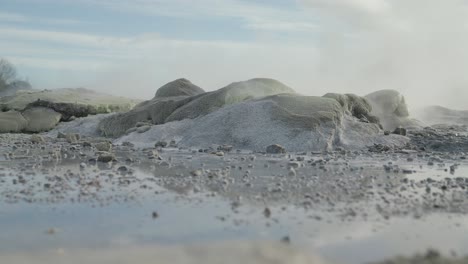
x: 161, y: 144
x: 275, y: 149
x: 106, y: 157
x: 400, y: 131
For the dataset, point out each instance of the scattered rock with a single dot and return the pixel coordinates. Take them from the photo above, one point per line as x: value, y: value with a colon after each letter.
x: 37, y: 139
x: 105, y: 157
x: 155, y: 215
x: 275, y: 149
x: 61, y: 135
x: 267, y: 212
x: 143, y: 129
x: 160, y: 144
x: 104, y: 146
x: 72, y: 138
x: 196, y: 173
x: 400, y: 131
x: 225, y: 148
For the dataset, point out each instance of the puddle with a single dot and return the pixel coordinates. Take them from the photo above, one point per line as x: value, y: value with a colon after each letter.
x: 128, y: 215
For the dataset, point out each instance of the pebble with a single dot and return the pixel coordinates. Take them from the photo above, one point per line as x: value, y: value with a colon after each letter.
x: 160, y: 144
x: 37, y: 139
x: 292, y: 172
x: 72, y: 138
x: 275, y: 149
x: 106, y: 157
x: 104, y: 146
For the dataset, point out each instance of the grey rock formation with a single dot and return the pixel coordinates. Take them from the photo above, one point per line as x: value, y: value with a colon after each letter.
x: 234, y: 93
x: 154, y: 111
x: 293, y: 121
x: 356, y: 106
x: 179, y: 87
x: 80, y: 96
x: 38, y: 111
x: 161, y: 109
x: 12, y: 122
x: 40, y: 119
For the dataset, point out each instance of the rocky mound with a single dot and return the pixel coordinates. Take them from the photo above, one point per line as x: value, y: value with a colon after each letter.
x: 38, y: 111
x: 296, y: 122
x: 391, y: 109
x: 160, y: 110
x: 356, y: 106
x: 253, y: 115
x: 179, y: 87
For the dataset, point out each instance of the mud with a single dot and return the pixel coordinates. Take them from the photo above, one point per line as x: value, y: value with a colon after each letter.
x: 345, y: 206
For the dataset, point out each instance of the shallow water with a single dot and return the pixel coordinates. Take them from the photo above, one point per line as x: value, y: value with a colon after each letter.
x: 25, y: 228
x: 122, y: 216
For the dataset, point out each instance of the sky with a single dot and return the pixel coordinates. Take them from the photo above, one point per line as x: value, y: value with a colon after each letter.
x: 132, y: 47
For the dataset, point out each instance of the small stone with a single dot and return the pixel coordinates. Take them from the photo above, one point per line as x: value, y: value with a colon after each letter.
x: 275, y: 149
x: 173, y: 144
x: 165, y: 164
x: 106, y: 157
x: 51, y: 231
x: 294, y: 164
x: 219, y: 154
x: 225, y: 148
x: 72, y: 138
x: 104, y: 146
x: 37, y: 139
x: 400, y: 131
x: 128, y: 144
x: 386, y: 133
x: 267, y: 212
x: 196, y: 173
x: 292, y: 172
x: 82, y: 165
x: 160, y: 144
x: 61, y: 135
x: 155, y: 215
x: 286, y: 240
x: 123, y: 169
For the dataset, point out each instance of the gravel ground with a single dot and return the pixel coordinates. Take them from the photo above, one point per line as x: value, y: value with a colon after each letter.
x: 424, y: 178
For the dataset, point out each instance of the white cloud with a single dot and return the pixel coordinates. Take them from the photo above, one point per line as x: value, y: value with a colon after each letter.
x: 76, y: 39
x: 20, y: 18
x: 251, y: 15
x: 144, y: 62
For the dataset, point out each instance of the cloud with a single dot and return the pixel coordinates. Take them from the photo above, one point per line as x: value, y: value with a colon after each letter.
x: 147, y: 61
x: 250, y: 14
x: 19, y: 18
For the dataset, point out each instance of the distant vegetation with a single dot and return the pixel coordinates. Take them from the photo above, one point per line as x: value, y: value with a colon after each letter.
x: 9, y: 79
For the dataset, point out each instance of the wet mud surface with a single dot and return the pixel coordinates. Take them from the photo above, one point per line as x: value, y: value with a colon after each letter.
x: 345, y: 206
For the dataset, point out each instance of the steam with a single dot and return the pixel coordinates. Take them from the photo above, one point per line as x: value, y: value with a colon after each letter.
x: 415, y: 46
